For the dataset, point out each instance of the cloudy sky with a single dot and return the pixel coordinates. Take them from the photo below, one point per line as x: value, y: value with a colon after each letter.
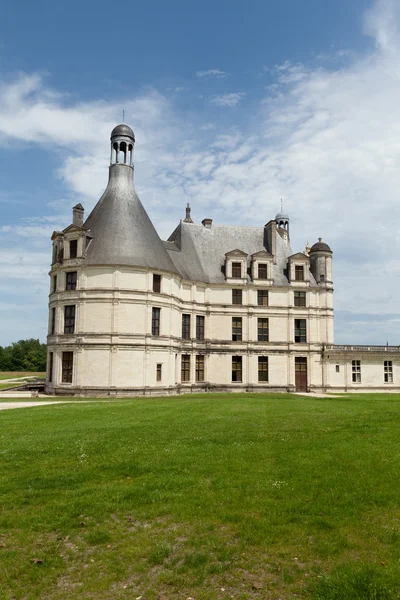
x: 234, y: 105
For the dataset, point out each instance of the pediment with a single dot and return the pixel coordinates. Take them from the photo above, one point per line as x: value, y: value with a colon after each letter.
x: 236, y: 252
x: 299, y: 256
x: 73, y: 229
x: 262, y: 254
x: 56, y: 234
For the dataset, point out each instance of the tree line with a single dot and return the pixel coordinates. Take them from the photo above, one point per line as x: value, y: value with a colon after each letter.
x: 25, y: 355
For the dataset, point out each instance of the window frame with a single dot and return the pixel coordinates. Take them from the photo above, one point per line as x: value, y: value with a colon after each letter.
x: 236, y: 270
x: 159, y: 372
x: 67, y: 370
x: 52, y: 321
x: 69, y: 318
x: 388, y: 371
x: 51, y: 367
x: 155, y: 321
x: 185, y: 368
x: 299, y: 273
x: 300, y: 298
x: 237, y: 293
x: 262, y: 267
x: 200, y: 367
x: 71, y: 285
x: 262, y: 329
x: 300, y: 331
x: 264, y: 295
x: 356, y: 371
x: 156, y: 283
x: 237, y: 369
x: 73, y: 248
x: 237, y: 329
x: 263, y: 372
x: 186, y: 326
x: 200, y: 327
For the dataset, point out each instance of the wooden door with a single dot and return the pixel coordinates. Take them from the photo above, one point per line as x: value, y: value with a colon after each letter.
x: 300, y: 367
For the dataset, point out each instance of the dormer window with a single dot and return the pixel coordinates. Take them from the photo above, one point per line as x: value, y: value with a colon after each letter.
x: 236, y: 270
x: 262, y: 271
x: 73, y: 248
x: 299, y: 273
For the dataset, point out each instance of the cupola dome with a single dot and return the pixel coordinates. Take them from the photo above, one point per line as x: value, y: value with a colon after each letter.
x: 320, y: 246
x: 122, y: 130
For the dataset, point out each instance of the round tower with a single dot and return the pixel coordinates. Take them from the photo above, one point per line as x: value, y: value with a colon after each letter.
x: 321, y: 262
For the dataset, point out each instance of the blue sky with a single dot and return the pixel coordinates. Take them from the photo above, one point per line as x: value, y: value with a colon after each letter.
x: 234, y: 106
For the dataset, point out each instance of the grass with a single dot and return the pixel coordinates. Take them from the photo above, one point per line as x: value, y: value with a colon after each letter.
x: 209, y: 497
x: 4, y: 386
x: 14, y: 374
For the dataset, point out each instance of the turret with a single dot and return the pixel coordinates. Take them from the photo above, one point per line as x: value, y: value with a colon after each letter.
x: 321, y: 262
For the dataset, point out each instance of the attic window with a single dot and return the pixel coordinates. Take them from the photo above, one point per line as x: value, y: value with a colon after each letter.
x: 262, y: 271
x: 73, y: 248
x: 156, y: 283
x: 236, y: 270
x: 299, y: 273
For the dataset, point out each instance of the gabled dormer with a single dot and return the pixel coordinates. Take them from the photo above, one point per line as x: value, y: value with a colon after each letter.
x: 236, y: 266
x: 261, y: 267
x: 299, y: 269
x: 74, y: 242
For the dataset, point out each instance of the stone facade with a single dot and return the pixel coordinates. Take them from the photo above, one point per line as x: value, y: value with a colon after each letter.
x: 213, y: 308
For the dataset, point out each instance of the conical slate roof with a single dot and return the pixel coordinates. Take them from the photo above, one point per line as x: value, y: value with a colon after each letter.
x: 121, y: 229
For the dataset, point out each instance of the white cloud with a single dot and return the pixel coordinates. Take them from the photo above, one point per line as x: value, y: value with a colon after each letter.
x: 228, y: 99
x: 326, y: 140
x: 213, y: 73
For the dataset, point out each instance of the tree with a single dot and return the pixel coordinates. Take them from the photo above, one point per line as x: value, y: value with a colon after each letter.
x: 25, y: 355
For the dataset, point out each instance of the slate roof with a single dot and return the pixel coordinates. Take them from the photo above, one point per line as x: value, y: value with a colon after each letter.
x: 121, y: 229
x: 199, y: 252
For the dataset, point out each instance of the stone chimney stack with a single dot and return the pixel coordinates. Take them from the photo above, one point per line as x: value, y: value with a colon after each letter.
x: 207, y: 223
x: 77, y: 215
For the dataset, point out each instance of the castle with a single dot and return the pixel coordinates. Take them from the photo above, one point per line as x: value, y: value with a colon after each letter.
x: 214, y: 308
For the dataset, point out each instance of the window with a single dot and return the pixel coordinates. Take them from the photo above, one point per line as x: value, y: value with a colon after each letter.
x: 300, y: 331
x: 236, y: 329
x: 53, y: 321
x: 299, y: 298
x: 337, y: 369
x: 262, y: 297
x: 73, y: 248
x: 50, y: 367
x: 70, y: 280
x: 388, y: 371
x: 185, y: 367
x: 262, y: 271
x: 69, y: 319
x: 54, y: 284
x: 356, y: 371
x: 236, y: 270
x: 186, y: 327
x: 199, y: 367
x: 236, y: 296
x: 263, y: 368
x: 199, y: 327
x: 157, y: 283
x: 322, y: 277
x: 262, y: 330
x: 155, y: 321
x: 299, y: 273
x: 159, y: 372
x: 67, y: 366
x: 236, y: 368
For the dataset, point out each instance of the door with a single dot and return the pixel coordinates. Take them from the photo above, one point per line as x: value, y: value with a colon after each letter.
x: 300, y: 368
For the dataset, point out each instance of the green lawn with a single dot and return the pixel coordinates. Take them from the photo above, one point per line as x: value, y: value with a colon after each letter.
x: 13, y: 374
x: 208, y: 497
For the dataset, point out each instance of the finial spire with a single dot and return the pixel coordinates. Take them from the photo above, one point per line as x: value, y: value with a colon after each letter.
x: 188, y: 218
x: 123, y: 115
x: 281, y: 205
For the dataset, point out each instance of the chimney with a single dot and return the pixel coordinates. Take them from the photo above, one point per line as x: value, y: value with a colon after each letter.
x: 77, y: 215
x: 207, y: 223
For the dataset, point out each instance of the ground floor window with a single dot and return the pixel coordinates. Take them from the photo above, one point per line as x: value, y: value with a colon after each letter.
x: 200, y: 367
x: 51, y: 362
x: 185, y: 367
x: 159, y: 372
x: 236, y: 368
x: 356, y: 371
x: 67, y: 367
x: 388, y: 371
x: 263, y: 368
